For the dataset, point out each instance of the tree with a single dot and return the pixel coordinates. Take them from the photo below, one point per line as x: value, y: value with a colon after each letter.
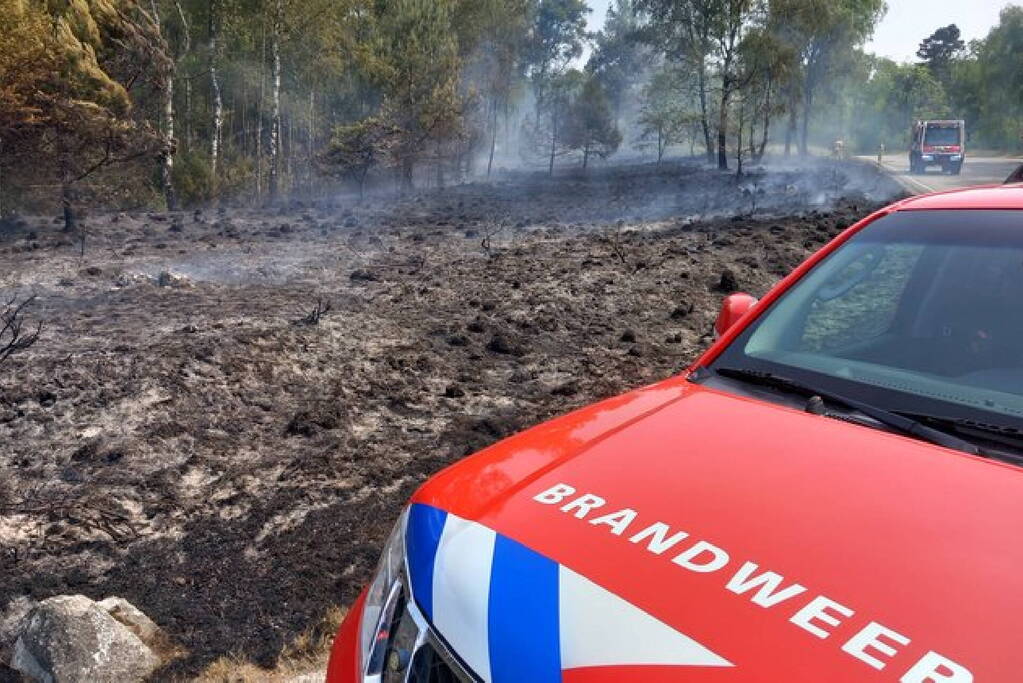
x: 730, y: 24
x: 894, y: 96
x: 767, y: 67
x: 170, y: 66
x: 663, y: 116
x: 819, y: 30
x: 213, y: 57
x: 554, y: 39
x: 26, y: 64
x: 938, y: 50
x: 1001, y: 115
x: 491, y: 41
x: 254, y: 89
x: 276, y: 36
x: 547, y: 135
x: 356, y: 148
x: 72, y: 113
x: 418, y: 64
x: 682, y: 30
x: 591, y: 127
x: 619, y: 57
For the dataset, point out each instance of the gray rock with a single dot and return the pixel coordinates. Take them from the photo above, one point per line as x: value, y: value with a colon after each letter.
x: 71, y: 639
x: 132, y: 617
x: 10, y: 624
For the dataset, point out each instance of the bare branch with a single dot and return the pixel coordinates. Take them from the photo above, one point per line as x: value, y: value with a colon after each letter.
x: 14, y: 336
x: 322, y: 308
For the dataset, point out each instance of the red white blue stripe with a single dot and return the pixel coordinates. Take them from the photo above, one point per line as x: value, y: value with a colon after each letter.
x: 512, y: 614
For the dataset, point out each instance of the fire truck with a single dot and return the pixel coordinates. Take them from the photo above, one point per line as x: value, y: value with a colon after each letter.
x: 937, y: 143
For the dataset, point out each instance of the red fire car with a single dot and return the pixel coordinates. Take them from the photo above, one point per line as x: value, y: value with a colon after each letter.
x: 832, y: 492
x: 938, y: 143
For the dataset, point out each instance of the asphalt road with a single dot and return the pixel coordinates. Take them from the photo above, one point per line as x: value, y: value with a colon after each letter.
x: 976, y: 171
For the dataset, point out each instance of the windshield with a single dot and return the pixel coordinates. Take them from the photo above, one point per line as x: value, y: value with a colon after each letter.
x: 941, y: 136
x: 919, y: 312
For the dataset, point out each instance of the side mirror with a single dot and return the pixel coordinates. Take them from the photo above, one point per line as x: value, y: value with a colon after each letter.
x: 732, y: 309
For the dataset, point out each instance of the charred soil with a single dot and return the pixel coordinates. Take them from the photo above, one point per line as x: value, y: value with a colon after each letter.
x: 227, y: 408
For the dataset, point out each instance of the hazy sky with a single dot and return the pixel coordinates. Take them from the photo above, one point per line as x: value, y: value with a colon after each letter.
x: 906, y: 24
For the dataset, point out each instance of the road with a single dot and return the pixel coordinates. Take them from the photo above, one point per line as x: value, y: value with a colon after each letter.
x: 976, y: 171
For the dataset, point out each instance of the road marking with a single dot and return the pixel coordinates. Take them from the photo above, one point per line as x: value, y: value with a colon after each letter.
x: 906, y: 182
x: 927, y: 189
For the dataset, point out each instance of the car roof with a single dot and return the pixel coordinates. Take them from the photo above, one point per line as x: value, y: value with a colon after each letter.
x: 984, y: 197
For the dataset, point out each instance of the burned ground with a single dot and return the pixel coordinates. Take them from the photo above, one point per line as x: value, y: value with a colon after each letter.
x: 227, y: 408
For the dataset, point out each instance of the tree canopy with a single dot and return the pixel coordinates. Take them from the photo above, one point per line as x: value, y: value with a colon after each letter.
x: 148, y: 102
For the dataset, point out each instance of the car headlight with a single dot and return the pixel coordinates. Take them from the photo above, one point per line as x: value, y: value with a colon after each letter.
x: 928, y: 157
x: 956, y: 157
x: 382, y: 598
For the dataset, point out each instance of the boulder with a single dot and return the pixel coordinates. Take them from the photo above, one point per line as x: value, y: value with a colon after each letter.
x: 10, y: 624
x: 70, y: 638
x: 132, y: 617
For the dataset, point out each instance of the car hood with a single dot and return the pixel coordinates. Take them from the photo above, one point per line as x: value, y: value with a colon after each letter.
x: 682, y: 533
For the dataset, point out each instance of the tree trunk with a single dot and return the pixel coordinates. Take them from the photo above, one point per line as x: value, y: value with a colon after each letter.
x: 288, y: 146
x: 750, y: 139
x: 169, y: 144
x: 67, y: 192
x: 407, y: 175
x: 312, y: 122
x: 167, y: 152
x: 702, y: 82
x: 554, y: 141
x: 188, y: 114
x: 493, y: 136
x: 440, y: 168
x: 808, y: 86
x: 243, y: 125
x: 740, y: 125
x: 767, y: 125
x: 804, y: 148
x: 218, y: 102
x: 259, y: 119
x: 726, y: 94
x: 275, y: 98
x: 790, y: 130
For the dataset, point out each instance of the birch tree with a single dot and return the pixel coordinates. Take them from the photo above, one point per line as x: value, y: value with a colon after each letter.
x: 276, y: 35
x: 213, y: 48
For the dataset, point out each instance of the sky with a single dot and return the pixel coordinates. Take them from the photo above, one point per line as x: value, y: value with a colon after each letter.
x: 910, y: 21
x: 907, y: 23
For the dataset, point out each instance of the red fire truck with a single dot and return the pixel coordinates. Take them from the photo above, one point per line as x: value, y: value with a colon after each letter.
x: 937, y: 143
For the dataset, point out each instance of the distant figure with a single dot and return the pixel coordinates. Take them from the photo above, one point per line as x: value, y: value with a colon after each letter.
x: 880, y: 153
x: 838, y: 149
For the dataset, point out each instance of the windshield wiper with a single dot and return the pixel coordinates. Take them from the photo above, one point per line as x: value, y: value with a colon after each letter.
x: 998, y: 434
x: 895, y: 421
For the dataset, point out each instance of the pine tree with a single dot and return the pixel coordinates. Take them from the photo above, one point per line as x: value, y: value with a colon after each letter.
x: 418, y: 64
x: 939, y: 49
x: 71, y: 111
